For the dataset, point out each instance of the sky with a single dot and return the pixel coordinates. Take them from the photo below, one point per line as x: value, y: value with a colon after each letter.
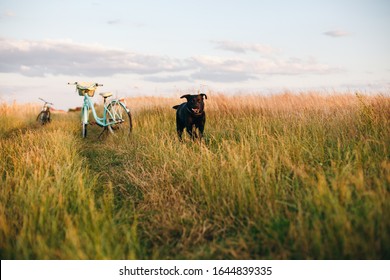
x: 172, y: 47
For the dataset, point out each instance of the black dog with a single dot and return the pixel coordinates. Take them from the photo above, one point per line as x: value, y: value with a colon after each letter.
x: 191, y: 115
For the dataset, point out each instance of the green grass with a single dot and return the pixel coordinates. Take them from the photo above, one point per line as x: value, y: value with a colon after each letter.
x: 282, y: 177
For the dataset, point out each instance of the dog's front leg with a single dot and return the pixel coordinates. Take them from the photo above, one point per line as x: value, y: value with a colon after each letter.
x: 180, y: 133
x: 191, y: 131
x: 201, y: 129
x: 179, y: 128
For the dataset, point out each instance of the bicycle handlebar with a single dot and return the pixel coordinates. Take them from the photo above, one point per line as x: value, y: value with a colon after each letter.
x: 96, y: 84
x: 45, y: 101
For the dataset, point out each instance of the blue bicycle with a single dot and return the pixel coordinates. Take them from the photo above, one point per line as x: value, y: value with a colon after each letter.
x: 116, y: 116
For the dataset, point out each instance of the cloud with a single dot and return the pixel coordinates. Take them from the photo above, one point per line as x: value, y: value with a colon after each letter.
x: 218, y: 63
x: 374, y: 85
x: 238, y: 47
x: 114, y: 21
x: 168, y: 79
x: 221, y: 69
x: 65, y: 57
x: 7, y: 14
x: 337, y: 33
x: 296, y: 66
x: 222, y: 76
x: 39, y: 58
x: 236, y: 70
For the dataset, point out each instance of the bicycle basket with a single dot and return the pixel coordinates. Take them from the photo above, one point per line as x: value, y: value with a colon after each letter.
x: 90, y: 92
x: 84, y: 88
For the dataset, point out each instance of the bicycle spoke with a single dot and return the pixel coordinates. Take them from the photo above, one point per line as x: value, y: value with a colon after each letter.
x: 121, y: 118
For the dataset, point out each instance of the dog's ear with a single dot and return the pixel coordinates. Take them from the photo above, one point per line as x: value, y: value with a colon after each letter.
x: 186, y: 96
x: 202, y: 94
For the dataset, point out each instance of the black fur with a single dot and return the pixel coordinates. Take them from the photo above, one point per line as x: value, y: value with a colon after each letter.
x: 191, y: 115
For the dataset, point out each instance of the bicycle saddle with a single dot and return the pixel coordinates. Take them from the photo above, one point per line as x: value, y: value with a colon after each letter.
x: 106, y: 94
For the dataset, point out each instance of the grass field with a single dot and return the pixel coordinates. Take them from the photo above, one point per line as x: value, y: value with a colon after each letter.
x: 289, y: 176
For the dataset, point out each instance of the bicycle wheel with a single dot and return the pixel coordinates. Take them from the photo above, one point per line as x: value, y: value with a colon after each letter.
x: 42, y: 117
x: 118, y: 113
x: 84, y: 121
x: 39, y: 117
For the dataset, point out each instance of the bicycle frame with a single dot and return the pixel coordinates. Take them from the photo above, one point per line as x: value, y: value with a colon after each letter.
x: 88, y: 105
x: 45, y: 108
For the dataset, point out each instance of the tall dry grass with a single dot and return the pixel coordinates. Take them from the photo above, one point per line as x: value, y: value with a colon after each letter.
x: 14, y: 117
x: 287, y: 176
x: 290, y: 176
x: 49, y: 208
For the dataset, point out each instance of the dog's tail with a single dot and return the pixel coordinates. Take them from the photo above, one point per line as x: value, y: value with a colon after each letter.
x: 175, y: 107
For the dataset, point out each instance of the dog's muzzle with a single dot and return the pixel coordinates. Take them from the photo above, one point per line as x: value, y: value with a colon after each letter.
x: 195, y: 111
